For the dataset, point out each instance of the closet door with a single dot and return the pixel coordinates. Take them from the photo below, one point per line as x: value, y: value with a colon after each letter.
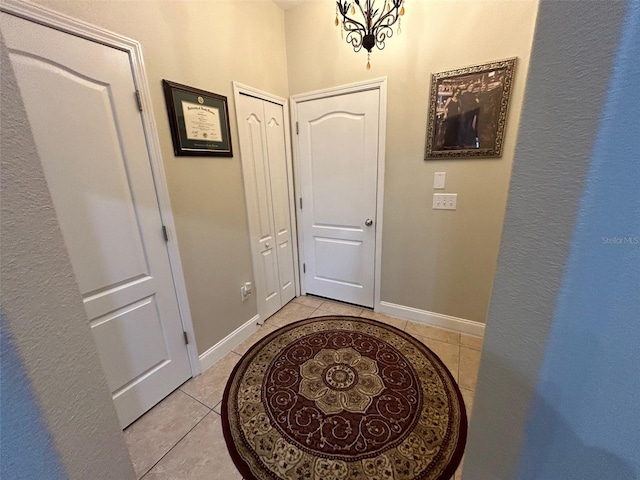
x: 262, y: 147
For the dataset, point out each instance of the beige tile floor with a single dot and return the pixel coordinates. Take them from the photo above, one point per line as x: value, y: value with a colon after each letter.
x: 181, y: 437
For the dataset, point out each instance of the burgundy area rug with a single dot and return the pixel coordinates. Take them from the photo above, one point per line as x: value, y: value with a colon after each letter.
x: 333, y: 398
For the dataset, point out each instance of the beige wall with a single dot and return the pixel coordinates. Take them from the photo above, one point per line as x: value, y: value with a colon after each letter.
x: 206, y: 45
x: 437, y: 261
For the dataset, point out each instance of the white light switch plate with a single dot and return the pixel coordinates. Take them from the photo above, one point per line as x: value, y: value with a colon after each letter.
x: 445, y: 201
x: 438, y: 180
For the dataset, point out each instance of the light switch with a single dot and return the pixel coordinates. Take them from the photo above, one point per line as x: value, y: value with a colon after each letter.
x: 438, y: 180
x: 445, y: 201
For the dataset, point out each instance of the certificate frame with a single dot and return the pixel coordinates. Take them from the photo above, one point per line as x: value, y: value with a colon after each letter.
x: 476, y: 127
x: 199, y: 121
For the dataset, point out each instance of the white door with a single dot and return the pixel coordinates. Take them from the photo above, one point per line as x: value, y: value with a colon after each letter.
x: 79, y: 97
x: 338, y: 161
x: 264, y: 165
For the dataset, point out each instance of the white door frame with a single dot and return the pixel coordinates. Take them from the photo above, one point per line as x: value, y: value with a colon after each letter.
x: 379, y: 84
x: 93, y: 33
x: 240, y: 89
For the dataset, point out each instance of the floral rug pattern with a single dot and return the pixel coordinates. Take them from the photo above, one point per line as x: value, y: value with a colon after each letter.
x: 338, y: 398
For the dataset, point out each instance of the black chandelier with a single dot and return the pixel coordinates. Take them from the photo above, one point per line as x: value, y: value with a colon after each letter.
x: 374, y: 27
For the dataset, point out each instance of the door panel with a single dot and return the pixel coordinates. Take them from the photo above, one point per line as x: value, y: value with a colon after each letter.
x: 285, y: 268
x: 338, y: 155
x: 100, y: 213
x: 123, y: 362
x: 338, y: 143
x: 345, y: 273
x: 80, y: 100
x: 274, y: 119
x: 267, y: 271
x: 260, y: 172
x: 270, y: 263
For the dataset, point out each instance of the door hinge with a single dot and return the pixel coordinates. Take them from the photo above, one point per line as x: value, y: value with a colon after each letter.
x: 297, y: 129
x: 186, y: 338
x: 300, y: 203
x: 139, y: 100
x: 165, y: 233
x: 304, y: 268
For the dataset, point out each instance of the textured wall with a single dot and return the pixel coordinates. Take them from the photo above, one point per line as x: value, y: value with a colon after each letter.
x: 21, y: 420
x: 585, y: 419
x: 538, y: 284
x: 204, y: 44
x: 438, y: 261
x: 63, y: 423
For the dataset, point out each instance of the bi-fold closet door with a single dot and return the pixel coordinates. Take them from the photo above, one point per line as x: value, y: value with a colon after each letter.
x: 261, y: 129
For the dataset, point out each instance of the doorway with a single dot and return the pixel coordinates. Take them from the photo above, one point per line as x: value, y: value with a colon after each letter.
x: 107, y: 186
x: 339, y: 163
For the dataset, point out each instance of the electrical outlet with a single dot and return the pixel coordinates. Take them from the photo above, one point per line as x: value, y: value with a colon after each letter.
x: 246, y: 290
x: 445, y: 201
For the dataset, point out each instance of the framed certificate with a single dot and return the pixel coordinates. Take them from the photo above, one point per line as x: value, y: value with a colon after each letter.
x: 199, y: 121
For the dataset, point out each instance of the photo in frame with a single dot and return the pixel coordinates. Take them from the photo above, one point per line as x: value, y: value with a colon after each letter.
x: 468, y: 110
x: 199, y: 121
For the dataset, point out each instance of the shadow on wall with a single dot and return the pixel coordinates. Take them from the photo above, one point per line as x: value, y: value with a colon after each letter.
x: 22, y: 427
x: 553, y: 442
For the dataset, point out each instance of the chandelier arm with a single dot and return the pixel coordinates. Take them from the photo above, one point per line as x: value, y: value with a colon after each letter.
x: 355, y: 43
x: 363, y: 14
x: 347, y: 20
x: 393, y: 13
x: 384, y: 7
x: 382, y: 34
x: 355, y: 33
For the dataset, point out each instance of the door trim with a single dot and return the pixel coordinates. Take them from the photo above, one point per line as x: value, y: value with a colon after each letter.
x: 79, y: 28
x: 379, y: 84
x: 240, y: 89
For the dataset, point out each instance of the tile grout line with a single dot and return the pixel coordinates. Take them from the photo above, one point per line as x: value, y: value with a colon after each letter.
x: 420, y: 337
x: 194, y: 398
x: 175, y: 444
x: 240, y: 354
x: 459, y: 360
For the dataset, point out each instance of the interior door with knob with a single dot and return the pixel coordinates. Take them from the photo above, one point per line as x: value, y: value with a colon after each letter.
x: 80, y: 99
x: 338, y: 162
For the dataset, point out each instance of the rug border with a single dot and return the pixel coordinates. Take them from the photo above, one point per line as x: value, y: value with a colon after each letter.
x: 243, y: 468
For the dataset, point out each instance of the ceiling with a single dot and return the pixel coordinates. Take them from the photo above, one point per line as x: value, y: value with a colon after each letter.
x: 287, y: 4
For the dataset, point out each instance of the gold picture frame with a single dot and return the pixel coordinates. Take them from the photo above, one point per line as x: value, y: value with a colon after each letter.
x: 468, y: 111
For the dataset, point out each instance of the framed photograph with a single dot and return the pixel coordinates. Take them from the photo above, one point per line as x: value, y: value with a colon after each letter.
x: 468, y: 110
x: 199, y: 121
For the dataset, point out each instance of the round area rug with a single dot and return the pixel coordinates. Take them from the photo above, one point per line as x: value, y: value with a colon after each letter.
x: 333, y: 398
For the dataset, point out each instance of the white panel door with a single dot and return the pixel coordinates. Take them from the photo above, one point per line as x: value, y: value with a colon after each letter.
x: 79, y: 97
x: 338, y: 161
x: 264, y: 165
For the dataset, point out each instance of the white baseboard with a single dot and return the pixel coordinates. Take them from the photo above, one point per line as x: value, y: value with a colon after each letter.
x: 434, y: 319
x: 224, y: 346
